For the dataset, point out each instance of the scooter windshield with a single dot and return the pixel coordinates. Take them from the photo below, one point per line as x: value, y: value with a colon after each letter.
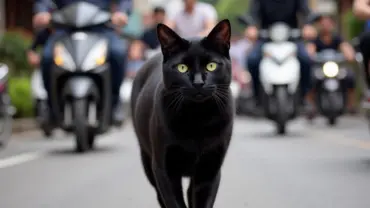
x: 80, y: 14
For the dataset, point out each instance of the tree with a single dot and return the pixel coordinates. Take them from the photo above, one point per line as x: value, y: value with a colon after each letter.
x: 230, y: 9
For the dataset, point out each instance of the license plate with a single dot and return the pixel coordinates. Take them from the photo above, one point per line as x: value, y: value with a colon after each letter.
x: 331, y: 84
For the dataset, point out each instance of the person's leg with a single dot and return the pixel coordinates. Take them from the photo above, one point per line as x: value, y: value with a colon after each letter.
x: 117, y: 59
x: 47, y: 63
x: 306, y: 80
x: 351, y: 84
x: 253, y: 62
x: 365, y: 50
x: 306, y: 63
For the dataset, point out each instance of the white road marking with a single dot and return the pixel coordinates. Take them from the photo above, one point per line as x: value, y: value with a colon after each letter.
x: 19, y: 159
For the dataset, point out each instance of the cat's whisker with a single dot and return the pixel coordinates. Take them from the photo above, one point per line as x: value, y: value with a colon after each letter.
x: 171, y: 92
x: 176, y: 102
x: 173, y: 101
x: 219, y: 101
x: 223, y: 94
x: 179, y: 103
x: 223, y: 85
x: 219, y: 104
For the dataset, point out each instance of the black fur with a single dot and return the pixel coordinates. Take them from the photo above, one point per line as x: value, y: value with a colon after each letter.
x: 184, y: 121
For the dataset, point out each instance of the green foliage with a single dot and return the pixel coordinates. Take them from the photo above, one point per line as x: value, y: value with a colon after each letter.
x: 352, y: 25
x: 13, y: 46
x: 230, y: 9
x: 21, y: 97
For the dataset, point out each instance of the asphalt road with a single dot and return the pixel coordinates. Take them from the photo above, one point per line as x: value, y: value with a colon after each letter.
x: 312, y: 167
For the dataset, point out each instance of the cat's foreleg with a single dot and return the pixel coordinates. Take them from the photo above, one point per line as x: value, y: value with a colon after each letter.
x: 168, y: 183
x: 206, y: 180
x: 170, y: 188
x: 147, y: 164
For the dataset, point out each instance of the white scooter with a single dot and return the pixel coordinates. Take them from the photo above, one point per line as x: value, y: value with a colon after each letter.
x: 280, y: 74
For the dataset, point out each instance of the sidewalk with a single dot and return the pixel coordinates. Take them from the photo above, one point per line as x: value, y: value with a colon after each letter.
x: 24, y: 124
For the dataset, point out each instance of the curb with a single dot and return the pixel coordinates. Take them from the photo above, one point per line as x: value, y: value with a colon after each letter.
x: 24, y: 124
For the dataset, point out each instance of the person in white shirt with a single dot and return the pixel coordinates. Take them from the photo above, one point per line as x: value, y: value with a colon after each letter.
x: 195, y: 19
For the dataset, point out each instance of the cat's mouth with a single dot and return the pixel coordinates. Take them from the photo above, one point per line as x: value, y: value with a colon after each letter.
x: 198, y: 95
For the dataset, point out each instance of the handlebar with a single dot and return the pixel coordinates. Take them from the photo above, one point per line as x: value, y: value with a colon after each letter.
x: 338, y: 58
x: 294, y: 34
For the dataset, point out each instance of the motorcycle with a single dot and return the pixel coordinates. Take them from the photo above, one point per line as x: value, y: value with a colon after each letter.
x: 279, y: 74
x: 81, y: 95
x: 330, y: 84
x: 7, y: 111
x: 40, y: 99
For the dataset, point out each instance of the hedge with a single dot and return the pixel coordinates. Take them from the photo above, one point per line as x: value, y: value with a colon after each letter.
x: 13, y: 46
x: 21, y: 97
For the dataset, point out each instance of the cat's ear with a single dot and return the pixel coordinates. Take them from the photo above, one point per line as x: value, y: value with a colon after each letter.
x: 169, y: 40
x: 221, y: 33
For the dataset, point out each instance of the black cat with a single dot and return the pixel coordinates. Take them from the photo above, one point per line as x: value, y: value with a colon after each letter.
x: 183, y: 112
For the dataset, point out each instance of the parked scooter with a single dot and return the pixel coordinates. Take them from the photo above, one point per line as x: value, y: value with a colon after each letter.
x: 81, y: 95
x: 6, y: 109
x: 279, y: 74
x: 330, y: 84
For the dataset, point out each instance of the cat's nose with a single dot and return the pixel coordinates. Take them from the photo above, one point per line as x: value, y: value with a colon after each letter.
x: 198, y: 81
x: 198, y: 85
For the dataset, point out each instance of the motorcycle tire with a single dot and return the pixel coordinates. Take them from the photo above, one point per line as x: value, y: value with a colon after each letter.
x: 281, y: 116
x: 332, y: 121
x: 47, y: 131
x: 81, y: 130
x: 91, y: 140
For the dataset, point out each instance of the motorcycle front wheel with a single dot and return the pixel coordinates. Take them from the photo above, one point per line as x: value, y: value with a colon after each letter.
x: 281, y: 116
x: 81, y: 128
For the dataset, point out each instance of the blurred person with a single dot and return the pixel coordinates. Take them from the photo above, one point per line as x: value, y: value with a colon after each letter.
x: 328, y: 39
x: 267, y: 12
x: 361, y: 9
x: 39, y: 39
x: 116, y: 49
x: 239, y: 48
x: 195, y: 19
x: 149, y: 38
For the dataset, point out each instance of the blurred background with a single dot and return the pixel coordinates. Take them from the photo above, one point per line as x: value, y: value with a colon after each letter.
x: 312, y: 166
x: 16, y: 27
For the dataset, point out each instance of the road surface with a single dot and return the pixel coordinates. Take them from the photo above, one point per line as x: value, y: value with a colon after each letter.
x: 313, y: 167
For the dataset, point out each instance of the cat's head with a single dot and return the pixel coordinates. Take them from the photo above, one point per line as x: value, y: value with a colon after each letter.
x: 198, y: 69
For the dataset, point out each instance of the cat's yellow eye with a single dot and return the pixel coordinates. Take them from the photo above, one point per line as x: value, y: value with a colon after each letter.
x: 182, y: 68
x: 211, y: 66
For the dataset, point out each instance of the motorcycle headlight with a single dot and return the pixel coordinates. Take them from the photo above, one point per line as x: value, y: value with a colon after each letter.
x: 96, y: 57
x: 330, y: 69
x: 63, y: 58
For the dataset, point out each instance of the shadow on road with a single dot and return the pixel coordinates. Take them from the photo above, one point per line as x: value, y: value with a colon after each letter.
x: 275, y: 136
x: 72, y: 152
